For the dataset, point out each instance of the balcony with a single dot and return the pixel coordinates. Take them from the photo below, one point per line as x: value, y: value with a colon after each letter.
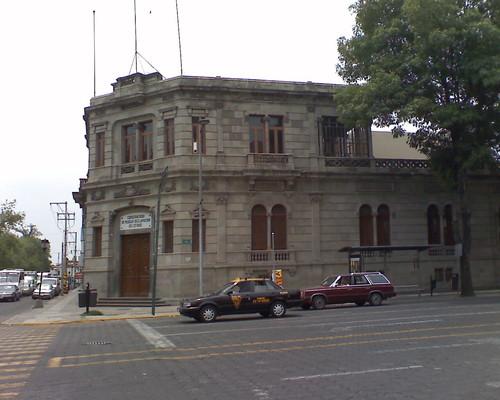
x: 271, y: 257
x: 387, y: 163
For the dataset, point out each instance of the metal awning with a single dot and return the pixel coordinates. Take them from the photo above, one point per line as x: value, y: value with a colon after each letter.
x: 385, y: 249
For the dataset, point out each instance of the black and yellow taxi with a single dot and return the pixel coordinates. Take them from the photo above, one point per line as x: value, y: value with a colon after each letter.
x: 242, y: 296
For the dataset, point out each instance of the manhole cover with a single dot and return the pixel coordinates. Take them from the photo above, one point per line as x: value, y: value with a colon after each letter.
x: 98, y: 342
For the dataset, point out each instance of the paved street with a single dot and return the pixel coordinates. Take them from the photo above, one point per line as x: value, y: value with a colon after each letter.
x: 443, y: 347
x: 9, y: 309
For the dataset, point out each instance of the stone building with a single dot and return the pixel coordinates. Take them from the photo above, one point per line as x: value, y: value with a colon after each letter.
x: 284, y: 185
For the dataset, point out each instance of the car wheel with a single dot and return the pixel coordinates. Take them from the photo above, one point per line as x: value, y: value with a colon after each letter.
x: 318, y: 302
x: 375, y: 299
x: 278, y: 309
x: 360, y: 303
x: 208, y: 313
x: 265, y: 314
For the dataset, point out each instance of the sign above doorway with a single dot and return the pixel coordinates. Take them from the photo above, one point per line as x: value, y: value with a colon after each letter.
x: 135, y: 221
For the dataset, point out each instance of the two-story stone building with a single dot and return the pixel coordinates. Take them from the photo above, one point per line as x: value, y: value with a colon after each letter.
x: 285, y: 185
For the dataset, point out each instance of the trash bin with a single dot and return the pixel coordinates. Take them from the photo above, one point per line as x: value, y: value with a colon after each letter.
x: 82, y: 298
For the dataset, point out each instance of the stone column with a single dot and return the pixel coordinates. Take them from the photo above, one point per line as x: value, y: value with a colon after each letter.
x: 221, y: 229
x: 219, y: 127
x: 316, y: 227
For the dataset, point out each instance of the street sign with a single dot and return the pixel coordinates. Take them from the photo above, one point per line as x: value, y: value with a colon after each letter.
x: 187, y: 241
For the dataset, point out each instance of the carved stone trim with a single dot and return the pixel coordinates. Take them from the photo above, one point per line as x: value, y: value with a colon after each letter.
x: 197, y: 111
x: 97, y: 195
x: 97, y: 219
x: 130, y: 191
x: 168, y: 212
x: 315, y: 197
x: 167, y: 113
x: 222, y: 199
x: 195, y: 213
x: 100, y: 126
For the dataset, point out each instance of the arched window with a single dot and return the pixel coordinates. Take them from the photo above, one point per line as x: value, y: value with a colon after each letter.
x: 449, y: 240
x: 383, y: 226
x: 433, y: 225
x: 278, y: 227
x: 259, y: 228
x: 365, y: 226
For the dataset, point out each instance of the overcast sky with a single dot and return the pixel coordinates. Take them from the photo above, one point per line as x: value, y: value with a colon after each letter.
x: 47, y: 73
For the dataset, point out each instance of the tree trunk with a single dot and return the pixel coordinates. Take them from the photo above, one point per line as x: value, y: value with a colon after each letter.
x: 465, y: 217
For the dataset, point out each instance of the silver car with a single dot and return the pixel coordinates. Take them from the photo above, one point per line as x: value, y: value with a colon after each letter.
x: 45, y: 292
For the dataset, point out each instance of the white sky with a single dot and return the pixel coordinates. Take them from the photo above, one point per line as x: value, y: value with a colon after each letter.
x: 46, y: 70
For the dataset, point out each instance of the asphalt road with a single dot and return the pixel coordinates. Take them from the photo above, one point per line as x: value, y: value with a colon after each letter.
x: 422, y: 348
x: 9, y: 309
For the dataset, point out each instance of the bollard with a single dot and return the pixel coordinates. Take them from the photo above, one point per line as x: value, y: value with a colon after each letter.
x: 87, y: 297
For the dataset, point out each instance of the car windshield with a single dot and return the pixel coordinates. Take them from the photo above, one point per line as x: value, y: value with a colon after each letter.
x: 46, y: 286
x: 6, y: 287
x: 328, y: 281
x: 224, y: 288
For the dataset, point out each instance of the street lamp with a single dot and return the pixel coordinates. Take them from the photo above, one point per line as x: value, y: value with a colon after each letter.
x: 199, y: 148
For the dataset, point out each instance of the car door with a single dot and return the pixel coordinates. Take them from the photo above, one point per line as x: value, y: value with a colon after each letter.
x: 242, y: 297
x: 262, y: 296
x: 341, y: 292
x: 360, y: 289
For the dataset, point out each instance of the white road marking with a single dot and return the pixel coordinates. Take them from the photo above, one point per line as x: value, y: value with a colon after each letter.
x: 495, y: 385
x: 347, y: 328
x: 443, y: 346
x: 151, y: 335
x: 261, y: 394
x: 347, y: 373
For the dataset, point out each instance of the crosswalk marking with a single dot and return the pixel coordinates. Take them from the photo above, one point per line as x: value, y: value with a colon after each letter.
x: 11, y: 385
x: 22, y: 351
x: 8, y: 395
x: 20, y: 376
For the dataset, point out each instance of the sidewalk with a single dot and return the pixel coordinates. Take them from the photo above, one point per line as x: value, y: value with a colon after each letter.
x: 64, y: 309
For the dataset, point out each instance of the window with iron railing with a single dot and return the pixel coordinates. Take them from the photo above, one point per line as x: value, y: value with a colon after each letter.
x: 338, y: 141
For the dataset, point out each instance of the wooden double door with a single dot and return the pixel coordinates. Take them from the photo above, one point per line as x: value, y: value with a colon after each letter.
x: 135, y: 265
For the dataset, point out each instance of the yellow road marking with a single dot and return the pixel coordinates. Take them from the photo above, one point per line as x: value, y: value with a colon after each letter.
x: 20, y: 357
x: 276, y: 342
x: 19, y: 376
x: 11, y: 385
x: 10, y: 395
x: 272, y: 350
x: 13, y: 352
x: 29, y: 362
x: 22, y: 369
x: 54, y: 362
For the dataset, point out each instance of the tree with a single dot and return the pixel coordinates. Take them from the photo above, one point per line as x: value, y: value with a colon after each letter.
x: 20, y: 244
x: 433, y: 64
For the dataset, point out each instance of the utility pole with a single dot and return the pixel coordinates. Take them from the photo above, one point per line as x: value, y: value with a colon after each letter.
x: 66, y: 217
x: 72, y: 271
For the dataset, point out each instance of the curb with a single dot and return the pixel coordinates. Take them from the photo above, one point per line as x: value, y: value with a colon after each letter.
x: 84, y: 320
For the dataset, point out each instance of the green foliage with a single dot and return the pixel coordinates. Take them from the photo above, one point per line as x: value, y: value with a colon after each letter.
x: 434, y: 64
x: 20, y: 245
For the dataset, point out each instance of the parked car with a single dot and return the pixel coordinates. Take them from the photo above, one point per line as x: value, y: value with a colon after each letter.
x: 9, y: 292
x: 27, y: 287
x: 46, y: 292
x: 55, y: 282
x: 242, y: 296
x: 358, y: 288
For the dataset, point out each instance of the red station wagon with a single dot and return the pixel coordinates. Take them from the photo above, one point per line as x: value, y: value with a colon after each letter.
x: 358, y: 288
